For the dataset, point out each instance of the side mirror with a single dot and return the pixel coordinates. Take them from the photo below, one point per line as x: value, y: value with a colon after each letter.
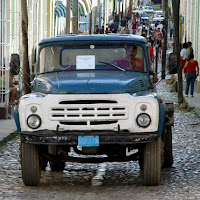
x: 14, y: 64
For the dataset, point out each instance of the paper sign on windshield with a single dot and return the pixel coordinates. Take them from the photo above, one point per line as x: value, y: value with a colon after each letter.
x: 85, y: 62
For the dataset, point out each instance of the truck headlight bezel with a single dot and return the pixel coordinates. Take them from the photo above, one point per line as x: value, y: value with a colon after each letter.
x: 34, y: 121
x: 143, y: 120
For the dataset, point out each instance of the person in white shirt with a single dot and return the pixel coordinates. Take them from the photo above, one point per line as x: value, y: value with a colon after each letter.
x: 184, y: 57
x: 160, y: 25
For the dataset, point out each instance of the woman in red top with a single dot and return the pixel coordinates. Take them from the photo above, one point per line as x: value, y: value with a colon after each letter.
x: 192, y: 67
x: 134, y: 25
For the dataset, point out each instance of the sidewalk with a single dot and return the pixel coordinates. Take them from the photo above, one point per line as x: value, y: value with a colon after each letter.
x: 193, y: 102
x: 7, y: 129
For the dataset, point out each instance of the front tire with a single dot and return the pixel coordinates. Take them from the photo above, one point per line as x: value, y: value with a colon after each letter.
x: 152, y: 163
x: 30, y: 165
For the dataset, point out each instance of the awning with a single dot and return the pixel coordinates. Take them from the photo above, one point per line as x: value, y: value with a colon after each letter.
x: 82, y: 8
x: 60, y: 9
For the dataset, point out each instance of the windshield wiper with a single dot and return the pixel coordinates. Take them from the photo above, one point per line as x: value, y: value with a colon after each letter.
x: 112, y: 65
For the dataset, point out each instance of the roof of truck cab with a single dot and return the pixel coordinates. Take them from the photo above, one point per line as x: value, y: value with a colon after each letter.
x: 107, y: 38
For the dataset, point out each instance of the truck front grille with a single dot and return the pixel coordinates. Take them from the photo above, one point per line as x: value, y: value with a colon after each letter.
x: 88, y: 112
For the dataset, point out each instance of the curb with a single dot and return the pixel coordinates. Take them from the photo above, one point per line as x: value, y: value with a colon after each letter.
x: 8, y: 137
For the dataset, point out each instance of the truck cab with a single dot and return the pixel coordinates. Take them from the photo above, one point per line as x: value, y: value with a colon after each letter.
x: 94, y: 95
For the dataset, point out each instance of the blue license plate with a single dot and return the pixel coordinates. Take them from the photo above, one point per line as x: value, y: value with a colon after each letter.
x: 88, y: 141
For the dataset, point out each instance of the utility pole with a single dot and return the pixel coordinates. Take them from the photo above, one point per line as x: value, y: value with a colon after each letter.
x: 130, y: 8
x: 68, y: 7
x: 176, y: 6
x: 25, y: 67
x: 90, y: 23
x: 165, y: 32
x: 75, y: 17
x: 113, y: 8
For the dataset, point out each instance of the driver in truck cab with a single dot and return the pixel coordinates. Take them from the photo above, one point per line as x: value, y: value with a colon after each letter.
x: 137, y: 64
x: 131, y: 62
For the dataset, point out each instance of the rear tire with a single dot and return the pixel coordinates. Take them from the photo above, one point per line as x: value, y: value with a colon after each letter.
x: 30, y: 165
x: 168, y: 155
x: 55, y: 166
x: 152, y: 163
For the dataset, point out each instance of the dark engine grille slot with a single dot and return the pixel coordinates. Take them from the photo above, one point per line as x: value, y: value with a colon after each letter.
x: 72, y: 109
x: 87, y: 108
x: 74, y: 123
x: 72, y: 115
x: 102, y: 122
x: 119, y: 115
x: 102, y: 108
x: 118, y: 108
x: 58, y: 109
x: 87, y: 102
x: 87, y: 115
x: 103, y: 115
x: 58, y: 115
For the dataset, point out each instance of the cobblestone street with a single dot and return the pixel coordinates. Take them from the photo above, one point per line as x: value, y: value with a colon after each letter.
x: 113, y: 180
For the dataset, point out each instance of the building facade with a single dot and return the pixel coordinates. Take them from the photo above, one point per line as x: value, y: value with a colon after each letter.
x: 190, y: 13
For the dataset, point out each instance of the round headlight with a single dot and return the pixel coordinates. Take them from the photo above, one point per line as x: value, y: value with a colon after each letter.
x: 33, y: 109
x: 143, y: 120
x: 34, y: 121
x: 143, y: 107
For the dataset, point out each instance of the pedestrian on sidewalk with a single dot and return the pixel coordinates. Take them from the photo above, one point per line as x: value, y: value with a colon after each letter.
x: 115, y: 27
x: 126, y: 30
x: 151, y: 52
x: 184, y: 57
x: 190, y: 48
x: 128, y: 16
x: 192, y: 67
x: 12, y: 88
x: 144, y: 30
x: 123, y: 22
x: 171, y: 28
x: 96, y: 29
x: 134, y: 25
x: 158, y: 36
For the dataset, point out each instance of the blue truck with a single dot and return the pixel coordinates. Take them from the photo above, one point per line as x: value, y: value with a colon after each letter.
x: 94, y: 95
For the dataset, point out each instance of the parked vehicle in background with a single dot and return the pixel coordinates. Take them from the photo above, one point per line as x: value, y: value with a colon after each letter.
x: 137, y: 11
x: 158, y: 13
x: 148, y: 8
x: 155, y: 20
x: 144, y: 18
x: 94, y: 95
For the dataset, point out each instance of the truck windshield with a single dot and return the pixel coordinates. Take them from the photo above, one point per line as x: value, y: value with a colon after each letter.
x: 92, y: 57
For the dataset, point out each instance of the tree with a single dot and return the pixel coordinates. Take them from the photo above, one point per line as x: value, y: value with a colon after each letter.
x: 25, y: 65
x: 130, y: 8
x: 68, y: 7
x: 176, y: 6
x: 165, y: 32
x: 75, y: 16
